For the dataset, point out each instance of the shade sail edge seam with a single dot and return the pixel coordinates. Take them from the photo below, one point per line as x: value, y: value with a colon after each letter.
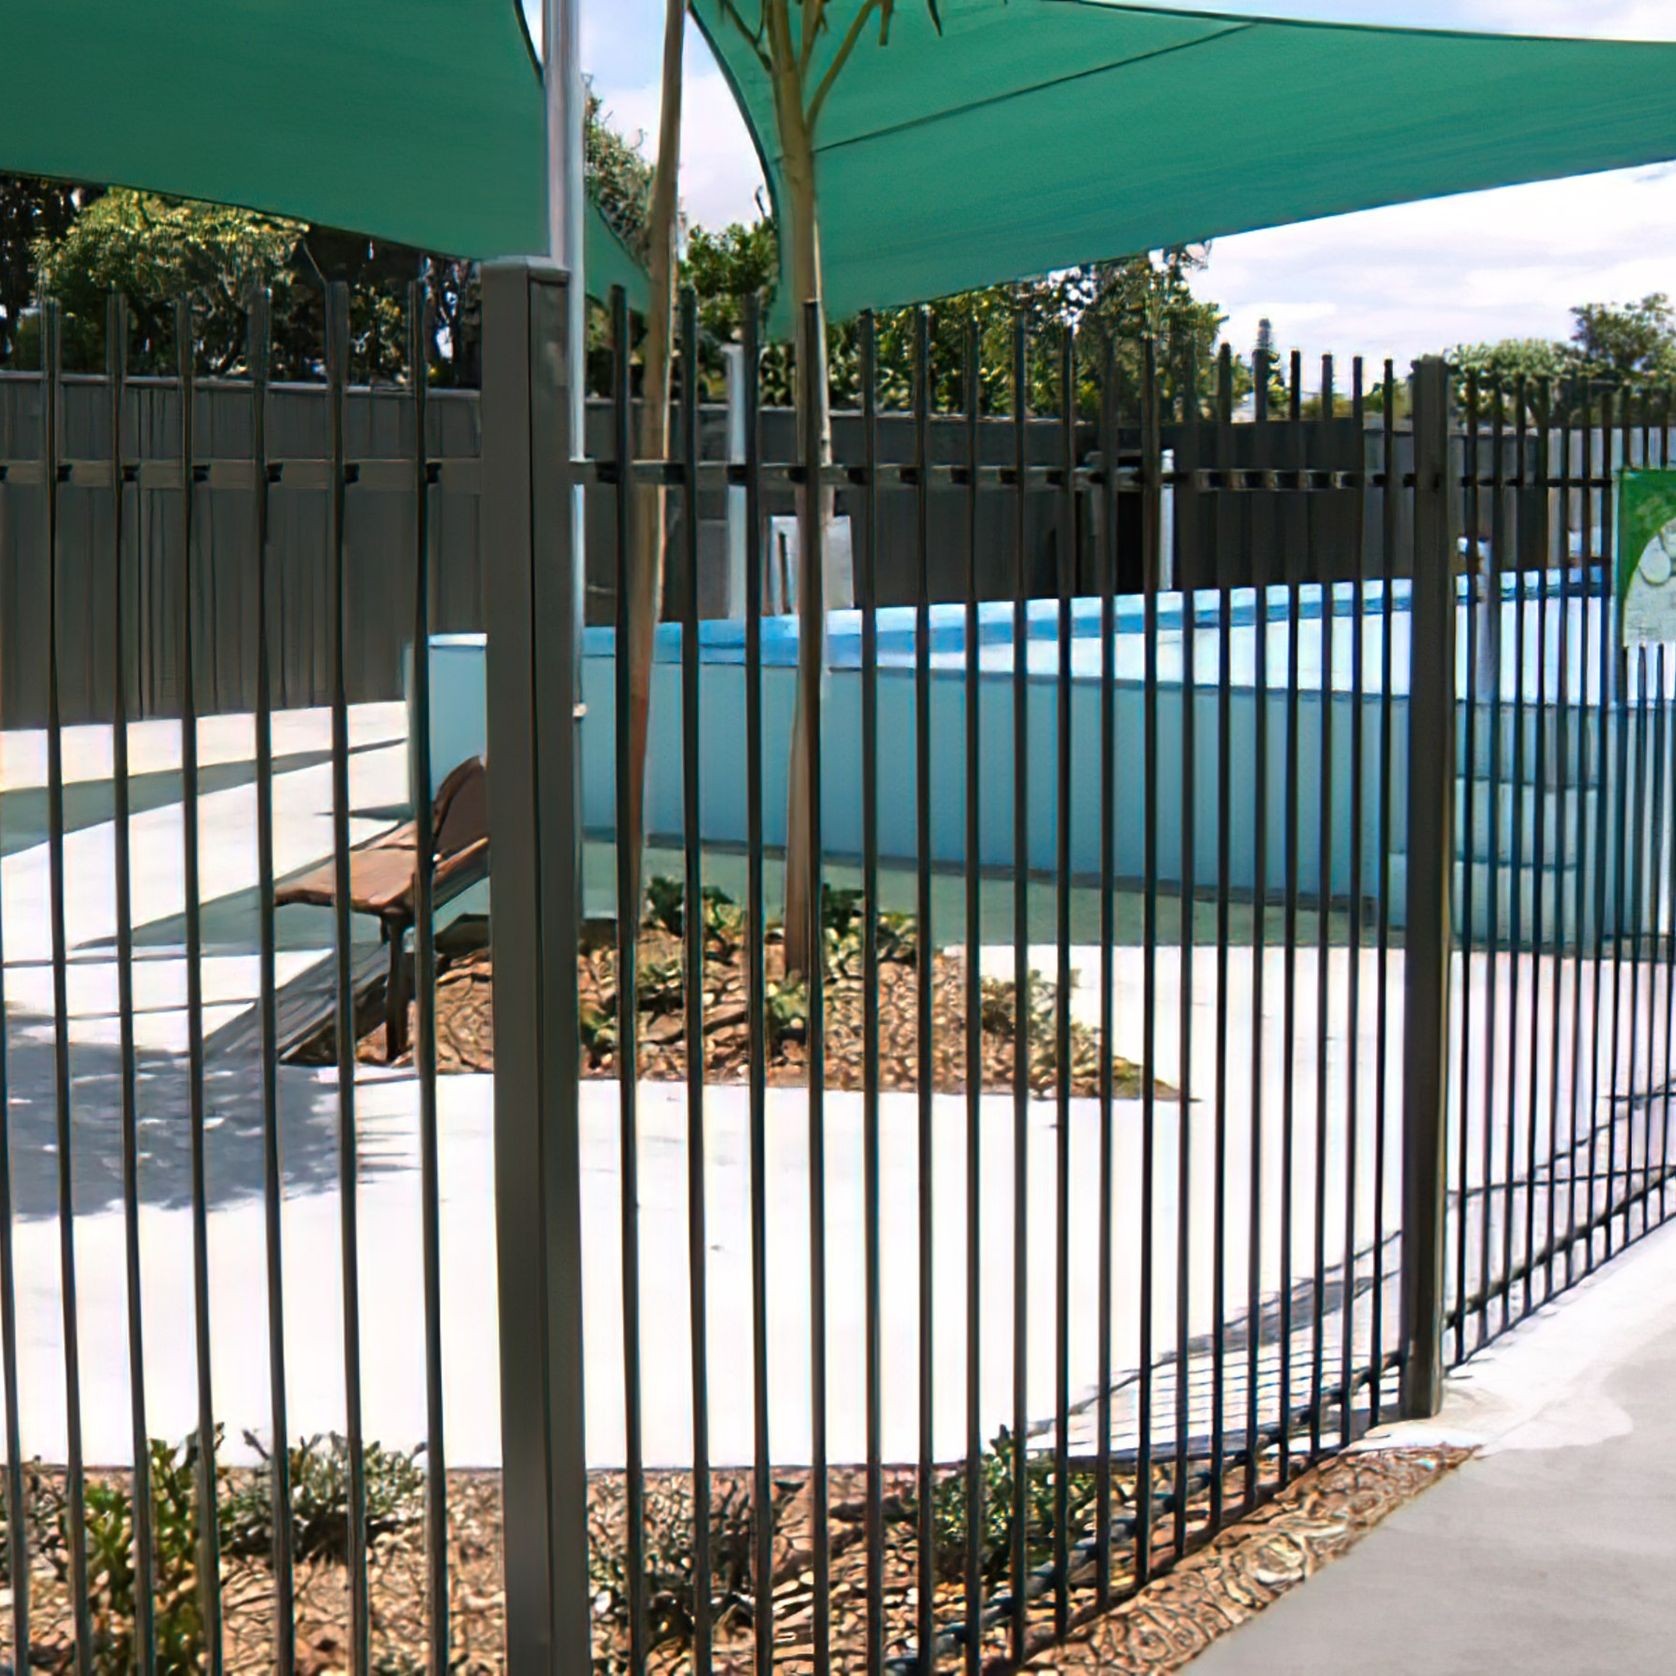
x: 931, y: 119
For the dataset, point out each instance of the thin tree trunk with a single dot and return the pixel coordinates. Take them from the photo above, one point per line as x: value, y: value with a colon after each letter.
x: 802, y: 930
x: 645, y: 573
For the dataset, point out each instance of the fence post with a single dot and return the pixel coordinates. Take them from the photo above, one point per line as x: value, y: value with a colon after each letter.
x: 1431, y: 867
x: 530, y: 525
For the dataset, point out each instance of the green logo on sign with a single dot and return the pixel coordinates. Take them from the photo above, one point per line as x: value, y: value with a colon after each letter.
x: 1647, y: 556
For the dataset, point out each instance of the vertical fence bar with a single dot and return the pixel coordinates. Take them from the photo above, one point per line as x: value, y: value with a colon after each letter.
x: 1603, y: 782
x: 1387, y: 788
x: 1582, y: 903
x: 975, y: 1512
x: 1323, y: 971
x: 1469, y: 879
x: 1020, y: 1489
x: 1652, y: 846
x: 116, y: 370
x: 260, y: 338
x: 1533, y: 477
x: 1663, y: 918
x: 1431, y: 796
x: 924, y: 1039
x: 424, y: 988
x: 1623, y: 894
x: 692, y: 939
x: 1610, y: 869
x: 1353, y: 996
x: 1658, y: 1084
x: 628, y: 986
x: 17, y: 1507
x: 1510, y: 660
x: 762, y: 1488
x: 1188, y: 549
x: 1565, y: 861
x: 1066, y: 584
x: 531, y: 512
x: 1639, y: 1181
x: 1109, y: 435
x: 867, y: 577
x: 1261, y: 373
x: 74, y: 1487
x: 1493, y: 653
x: 337, y: 375
x: 811, y: 585
x: 1223, y: 581
x: 1289, y: 1004
x: 1648, y: 836
x: 1151, y: 510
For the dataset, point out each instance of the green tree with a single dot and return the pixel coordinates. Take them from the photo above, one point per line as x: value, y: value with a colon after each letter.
x: 1628, y: 343
x: 1488, y: 376
x: 1613, y: 347
x: 154, y: 250
x: 618, y: 174
x: 1124, y: 301
x: 724, y: 268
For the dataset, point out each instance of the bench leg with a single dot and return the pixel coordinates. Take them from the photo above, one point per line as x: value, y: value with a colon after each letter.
x: 395, y: 998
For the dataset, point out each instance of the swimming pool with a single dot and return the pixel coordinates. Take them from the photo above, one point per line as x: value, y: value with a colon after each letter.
x: 1556, y: 636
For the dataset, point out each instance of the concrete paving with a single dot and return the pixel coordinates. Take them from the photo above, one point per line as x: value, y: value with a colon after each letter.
x: 1259, y: 1128
x: 1553, y: 1550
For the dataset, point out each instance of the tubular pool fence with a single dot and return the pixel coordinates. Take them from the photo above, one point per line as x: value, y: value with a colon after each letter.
x: 1064, y: 1063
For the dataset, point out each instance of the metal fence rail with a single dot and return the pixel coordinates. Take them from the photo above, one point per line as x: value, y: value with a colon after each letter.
x: 1219, y: 1011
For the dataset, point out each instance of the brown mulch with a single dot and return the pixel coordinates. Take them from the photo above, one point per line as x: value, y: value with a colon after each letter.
x: 465, y: 1024
x: 1250, y: 1565
x: 1217, y: 1587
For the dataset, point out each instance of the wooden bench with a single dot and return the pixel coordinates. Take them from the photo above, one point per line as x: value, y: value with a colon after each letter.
x: 383, y: 879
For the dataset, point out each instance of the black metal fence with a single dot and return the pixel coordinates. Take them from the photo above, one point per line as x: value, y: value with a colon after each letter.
x: 1217, y: 1013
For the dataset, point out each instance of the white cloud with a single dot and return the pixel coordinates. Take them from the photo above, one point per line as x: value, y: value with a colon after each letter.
x: 1422, y: 277
x: 719, y: 172
x: 1628, y: 20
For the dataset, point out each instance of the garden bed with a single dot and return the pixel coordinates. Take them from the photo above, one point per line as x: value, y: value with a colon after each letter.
x: 1221, y: 1583
x: 465, y: 1009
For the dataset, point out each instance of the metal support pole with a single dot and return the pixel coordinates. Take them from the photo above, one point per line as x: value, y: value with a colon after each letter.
x: 1431, y: 866
x: 533, y: 591
x: 567, y: 102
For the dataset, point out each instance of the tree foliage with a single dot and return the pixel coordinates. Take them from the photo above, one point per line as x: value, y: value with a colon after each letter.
x: 1123, y: 302
x: 1629, y: 343
x: 619, y: 175
x: 1613, y: 347
x: 156, y: 250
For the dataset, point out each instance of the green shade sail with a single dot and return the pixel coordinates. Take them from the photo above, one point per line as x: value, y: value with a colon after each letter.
x: 1032, y: 135
x: 1039, y: 134
x: 419, y: 121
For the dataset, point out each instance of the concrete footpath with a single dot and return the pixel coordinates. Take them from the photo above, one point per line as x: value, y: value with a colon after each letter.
x: 1554, y: 1550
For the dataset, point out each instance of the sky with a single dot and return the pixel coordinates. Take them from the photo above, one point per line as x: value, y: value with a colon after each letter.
x: 1402, y: 282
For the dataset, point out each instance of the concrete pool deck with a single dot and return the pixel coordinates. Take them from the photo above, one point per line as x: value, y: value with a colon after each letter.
x: 389, y: 1210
